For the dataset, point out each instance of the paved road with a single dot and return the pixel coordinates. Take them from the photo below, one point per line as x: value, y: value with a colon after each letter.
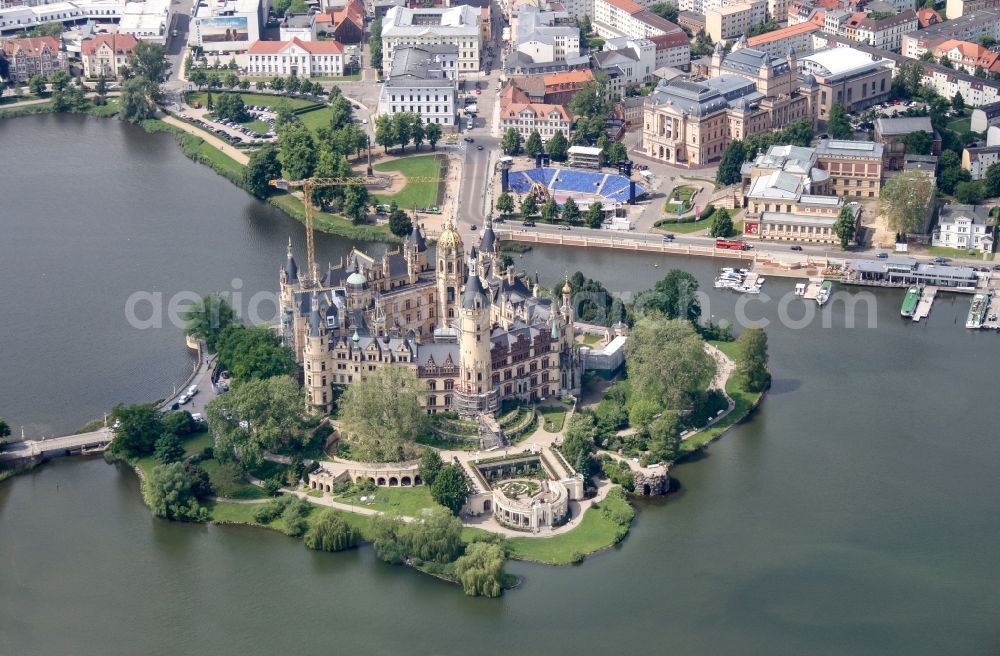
x: 30, y: 448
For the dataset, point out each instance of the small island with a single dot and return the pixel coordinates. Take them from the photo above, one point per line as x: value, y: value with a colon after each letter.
x: 516, y: 427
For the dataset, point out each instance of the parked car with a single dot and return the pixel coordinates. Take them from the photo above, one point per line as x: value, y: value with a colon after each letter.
x: 668, y: 237
x: 882, y: 256
x: 468, y: 140
x: 940, y: 260
x: 528, y: 224
x: 564, y: 227
x: 796, y: 248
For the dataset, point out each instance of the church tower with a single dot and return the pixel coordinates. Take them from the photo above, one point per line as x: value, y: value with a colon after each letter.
x: 450, y: 273
x: 474, y: 392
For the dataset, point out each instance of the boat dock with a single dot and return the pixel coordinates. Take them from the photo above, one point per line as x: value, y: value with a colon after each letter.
x: 812, y: 289
x: 926, y: 301
x: 992, y: 321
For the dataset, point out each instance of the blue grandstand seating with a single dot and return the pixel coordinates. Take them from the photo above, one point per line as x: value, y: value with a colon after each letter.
x: 519, y: 182
x: 614, y: 188
x: 584, y: 181
x: 543, y: 175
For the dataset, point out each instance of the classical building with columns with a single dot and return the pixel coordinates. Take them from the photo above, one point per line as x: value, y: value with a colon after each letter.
x: 475, y: 333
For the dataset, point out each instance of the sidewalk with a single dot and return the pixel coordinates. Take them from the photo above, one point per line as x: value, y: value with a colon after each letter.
x: 215, y: 142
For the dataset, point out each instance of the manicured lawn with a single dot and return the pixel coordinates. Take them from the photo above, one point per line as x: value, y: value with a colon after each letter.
x: 192, y: 445
x: 331, y: 223
x: 942, y: 251
x: 594, y: 533
x: 684, y: 228
x: 260, y: 127
x: 423, y: 194
x: 554, y: 418
x: 590, y: 340
x: 250, y: 99
x: 244, y: 490
x: 407, y: 501
x: 729, y: 348
x: 317, y: 118
x: 684, y: 193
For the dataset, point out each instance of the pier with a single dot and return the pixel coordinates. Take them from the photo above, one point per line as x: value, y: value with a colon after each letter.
x: 812, y: 289
x: 926, y: 301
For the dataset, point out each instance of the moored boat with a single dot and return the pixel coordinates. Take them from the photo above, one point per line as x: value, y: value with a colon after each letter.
x: 824, y: 292
x: 977, y: 310
x: 910, y: 301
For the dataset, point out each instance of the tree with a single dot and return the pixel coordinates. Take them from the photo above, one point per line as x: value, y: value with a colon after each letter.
x: 402, y: 129
x: 53, y: 29
x: 674, y: 296
x: 4, y: 430
x: 918, y: 143
x: 36, y: 85
x: 732, y: 160
x: 581, y: 433
x: 207, y: 318
x: 838, y: 124
x: 355, y: 204
x: 149, y: 61
x: 751, y: 361
x: 481, y: 570
x: 584, y: 25
x: 845, y: 226
x: 136, y: 429
x: 418, y: 132
x: 528, y: 206
x: 231, y: 106
x: 958, y: 102
x: 905, y: 201
x: 262, y: 167
x: 382, y: 416
x: 664, y: 437
x: 254, y: 416
x: 331, y: 532
x: 667, y: 364
x: 722, y: 224
x: 297, y: 151
x: 168, y: 448
x: 400, y: 223
x: 135, y: 103
x: 570, y: 211
x: 951, y: 177
x: 505, y: 204
x: 172, y: 491
x: 341, y: 113
x: 595, y: 215
x: 665, y: 10
x: 534, y: 143
x: 101, y: 87
x: 558, y: 147
x: 198, y: 77
x: 59, y: 79
x: 992, y: 179
x: 550, y: 210
x: 798, y: 132
x: 277, y: 83
x: 970, y: 193
x: 615, y: 153
x: 384, y: 135
x: 254, y: 352
x: 511, y: 142
x: 450, y: 488
x: 375, y: 44
x: 433, y: 131
x: 435, y: 536
x: 430, y: 466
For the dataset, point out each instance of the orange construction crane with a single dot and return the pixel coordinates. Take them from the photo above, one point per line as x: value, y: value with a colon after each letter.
x: 307, y: 185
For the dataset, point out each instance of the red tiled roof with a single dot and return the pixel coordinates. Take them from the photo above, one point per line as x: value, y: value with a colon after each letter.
x: 672, y: 40
x: 314, y: 47
x: 928, y: 17
x: 626, y: 5
x: 122, y: 44
x: 31, y: 46
x: 783, y: 33
x: 582, y: 76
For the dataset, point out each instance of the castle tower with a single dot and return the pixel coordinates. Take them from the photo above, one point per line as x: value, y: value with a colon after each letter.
x: 450, y: 273
x: 474, y: 392
x: 488, y: 241
x: 314, y: 362
x: 288, y: 280
x: 717, y: 55
x: 415, y: 252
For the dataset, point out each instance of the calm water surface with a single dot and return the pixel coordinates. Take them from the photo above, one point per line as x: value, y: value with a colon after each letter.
x: 856, y: 513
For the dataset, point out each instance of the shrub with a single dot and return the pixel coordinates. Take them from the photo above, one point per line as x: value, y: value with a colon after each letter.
x: 294, y: 516
x: 270, y: 511
x: 706, y: 212
x: 481, y: 570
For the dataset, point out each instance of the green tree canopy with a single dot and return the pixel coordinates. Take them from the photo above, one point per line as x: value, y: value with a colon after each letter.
x: 331, y: 532
x: 262, y: 167
x: 918, y: 143
x: 208, y: 317
x: 450, y: 488
x: 430, y: 466
x: 674, y: 296
x: 751, y: 363
x: 558, y: 147
x: 595, y: 215
x: 136, y: 429
x: 173, y: 491
x: 435, y: 536
x: 528, y: 206
x: 838, y: 125
x: 722, y: 224
x: 732, y: 159
x: 534, y: 143
x: 511, y: 142
x: 570, y: 211
x: 845, y: 226
x: 433, y: 131
x: 481, y: 570
x: 400, y: 223
x: 136, y: 104
x: 667, y: 362
x: 381, y: 415
x: 905, y: 201
x: 550, y: 210
x: 254, y: 416
x: 254, y: 352
x: 505, y: 204
x: 297, y: 151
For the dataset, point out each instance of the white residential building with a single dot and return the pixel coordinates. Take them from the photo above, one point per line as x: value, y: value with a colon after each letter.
x: 457, y: 26
x: 545, y: 36
x: 296, y: 57
x: 634, y: 60
x: 148, y: 20
x: 423, y: 81
x: 627, y: 18
x: 734, y: 20
x: 963, y: 227
x: 301, y: 26
x: 15, y: 18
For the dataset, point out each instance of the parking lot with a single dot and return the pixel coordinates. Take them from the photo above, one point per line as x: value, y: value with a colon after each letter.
x: 234, y: 132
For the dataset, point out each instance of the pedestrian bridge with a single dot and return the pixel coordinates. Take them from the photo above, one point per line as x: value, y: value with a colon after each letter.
x: 58, y: 446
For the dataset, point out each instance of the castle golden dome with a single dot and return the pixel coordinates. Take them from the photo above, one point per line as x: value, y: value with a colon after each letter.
x: 449, y: 237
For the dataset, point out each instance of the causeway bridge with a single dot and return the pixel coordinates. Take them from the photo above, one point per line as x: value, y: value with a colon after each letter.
x: 83, y: 443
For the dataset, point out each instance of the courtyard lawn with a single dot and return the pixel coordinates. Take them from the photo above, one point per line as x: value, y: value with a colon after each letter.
x: 554, y: 418
x: 317, y: 118
x: 590, y: 340
x: 408, y: 501
x: 960, y: 125
x: 596, y: 532
x: 258, y: 126
x: 422, y: 194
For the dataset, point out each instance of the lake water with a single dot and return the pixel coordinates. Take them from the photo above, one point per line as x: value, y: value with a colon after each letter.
x: 855, y: 513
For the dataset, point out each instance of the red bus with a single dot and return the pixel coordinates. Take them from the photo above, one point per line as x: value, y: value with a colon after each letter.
x: 732, y: 244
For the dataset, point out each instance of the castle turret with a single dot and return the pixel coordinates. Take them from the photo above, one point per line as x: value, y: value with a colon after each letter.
x: 314, y: 360
x: 474, y: 392
x: 450, y: 273
x: 488, y: 240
